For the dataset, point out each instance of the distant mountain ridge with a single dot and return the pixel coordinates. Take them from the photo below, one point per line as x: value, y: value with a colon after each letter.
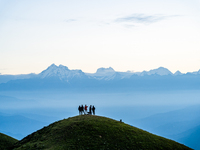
x: 6, y: 78
x: 60, y: 71
x: 104, y: 78
x: 160, y: 71
x: 64, y: 73
x: 181, y: 125
x: 178, y: 73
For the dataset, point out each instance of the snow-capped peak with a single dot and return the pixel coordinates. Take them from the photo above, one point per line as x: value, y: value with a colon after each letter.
x: 177, y: 73
x: 60, y: 71
x: 105, y: 70
x: 159, y: 71
x: 196, y: 72
x: 104, y: 73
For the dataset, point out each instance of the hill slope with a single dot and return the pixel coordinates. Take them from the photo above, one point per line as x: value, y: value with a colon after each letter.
x: 94, y: 132
x: 6, y: 141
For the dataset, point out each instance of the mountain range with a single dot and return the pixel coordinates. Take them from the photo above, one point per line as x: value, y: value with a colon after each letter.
x: 181, y: 125
x: 62, y: 76
x: 64, y: 73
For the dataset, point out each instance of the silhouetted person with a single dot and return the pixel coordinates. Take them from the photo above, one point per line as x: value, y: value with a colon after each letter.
x: 79, y: 109
x: 90, y: 108
x: 82, y: 109
x: 86, y: 109
x: 93, y: 110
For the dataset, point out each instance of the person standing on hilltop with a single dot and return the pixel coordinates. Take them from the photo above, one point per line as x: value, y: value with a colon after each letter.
x: 86, y: 109
x: 79, y: 109
x: 90, y: 110
x: 82, y: 110
x: 93, y: 110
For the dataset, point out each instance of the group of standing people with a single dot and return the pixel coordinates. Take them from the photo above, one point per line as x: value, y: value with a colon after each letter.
x: 83, y: 110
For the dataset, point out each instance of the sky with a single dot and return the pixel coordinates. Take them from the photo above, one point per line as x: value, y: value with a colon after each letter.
x: 133, y: 35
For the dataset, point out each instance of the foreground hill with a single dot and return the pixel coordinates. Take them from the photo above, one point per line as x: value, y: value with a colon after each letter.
x: 94, y: 132
x: 6, y: 141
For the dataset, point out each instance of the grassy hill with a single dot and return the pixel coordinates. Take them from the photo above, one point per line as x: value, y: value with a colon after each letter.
x: 6, y: 141
x: 95, y: 133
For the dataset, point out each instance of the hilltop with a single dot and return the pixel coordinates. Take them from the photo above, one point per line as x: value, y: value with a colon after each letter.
x: 6, y: 141
x: 94, y: 132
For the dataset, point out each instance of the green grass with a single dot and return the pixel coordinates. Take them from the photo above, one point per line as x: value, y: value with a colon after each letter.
x: 6, y: 141
x: 96, y: 133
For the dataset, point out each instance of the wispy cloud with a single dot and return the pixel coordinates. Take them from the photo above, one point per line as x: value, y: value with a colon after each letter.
x: 141, y: 19
x: 70, y: 20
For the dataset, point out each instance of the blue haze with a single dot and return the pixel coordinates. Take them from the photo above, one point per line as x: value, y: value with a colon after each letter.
x: 157, y: 101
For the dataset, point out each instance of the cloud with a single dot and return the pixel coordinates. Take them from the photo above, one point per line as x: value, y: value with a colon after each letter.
x: 141, y: 19
x: 70, y: 20
x: 129, y: 25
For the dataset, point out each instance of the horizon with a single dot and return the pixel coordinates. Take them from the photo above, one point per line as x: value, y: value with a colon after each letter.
x: 127, y: 35
x: 99, y: 68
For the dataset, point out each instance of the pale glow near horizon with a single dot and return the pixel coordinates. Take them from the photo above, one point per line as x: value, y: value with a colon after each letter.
x: 82, y: 34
